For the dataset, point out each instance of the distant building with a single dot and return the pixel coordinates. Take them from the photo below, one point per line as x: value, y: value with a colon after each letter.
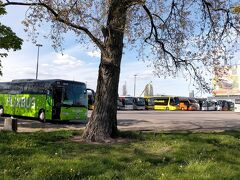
x: 191, y: 94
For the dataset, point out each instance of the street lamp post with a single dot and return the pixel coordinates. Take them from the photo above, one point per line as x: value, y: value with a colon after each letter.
x: 38, y: 45
x: 135, y: 75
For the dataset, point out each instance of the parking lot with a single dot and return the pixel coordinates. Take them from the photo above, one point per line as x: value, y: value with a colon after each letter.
x: 179, y: 120
x: 150, y: 121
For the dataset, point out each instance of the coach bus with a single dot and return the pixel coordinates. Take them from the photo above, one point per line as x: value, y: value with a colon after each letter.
x: 166, y: 103
x: 190, y: 104
x: 131, y: 103
x: 125, y: 103
x: 44, y: 99
x: 138, y: 103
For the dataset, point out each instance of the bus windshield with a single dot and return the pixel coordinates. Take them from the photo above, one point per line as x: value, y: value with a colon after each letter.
x: 128, y: 101
x: 74, y: 95
x: 139, y: 102
x: 174, y: 101
x: 205, y: 103
x: 149, y: 101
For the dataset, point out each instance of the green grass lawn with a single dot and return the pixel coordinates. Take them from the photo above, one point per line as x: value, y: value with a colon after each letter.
x: 52, y: 155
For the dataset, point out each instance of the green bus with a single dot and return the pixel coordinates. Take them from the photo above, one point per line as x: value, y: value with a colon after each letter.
x: 53, y: 99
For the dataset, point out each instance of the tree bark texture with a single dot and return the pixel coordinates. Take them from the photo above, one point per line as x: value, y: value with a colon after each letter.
x: 103, y: 122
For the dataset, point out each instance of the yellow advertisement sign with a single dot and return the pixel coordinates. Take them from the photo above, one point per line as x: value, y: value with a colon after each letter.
x: 229, y: 83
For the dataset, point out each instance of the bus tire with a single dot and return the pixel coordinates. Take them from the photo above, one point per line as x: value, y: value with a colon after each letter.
x: 41, y: 116
x: 167, y: 109
x: 1, y: 111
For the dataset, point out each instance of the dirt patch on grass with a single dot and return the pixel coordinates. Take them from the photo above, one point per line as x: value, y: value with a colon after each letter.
x: 118, y: 140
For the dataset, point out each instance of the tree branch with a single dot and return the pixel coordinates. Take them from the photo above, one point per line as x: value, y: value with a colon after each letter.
x: 155, y: 33
x: 97, y: 41
x: 209, y: 7
x: 178, y: 62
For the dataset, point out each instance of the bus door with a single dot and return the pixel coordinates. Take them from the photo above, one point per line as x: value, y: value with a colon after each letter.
x: 57, y: 101
x: 91, y: 98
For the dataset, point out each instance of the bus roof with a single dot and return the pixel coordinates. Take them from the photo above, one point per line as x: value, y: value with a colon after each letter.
x: 45, y: 81
x: 32, y: 85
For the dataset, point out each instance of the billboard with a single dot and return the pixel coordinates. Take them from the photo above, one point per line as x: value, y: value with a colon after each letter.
x: 229, y: 83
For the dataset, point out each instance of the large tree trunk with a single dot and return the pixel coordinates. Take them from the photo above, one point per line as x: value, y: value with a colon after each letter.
x: 103, y: 122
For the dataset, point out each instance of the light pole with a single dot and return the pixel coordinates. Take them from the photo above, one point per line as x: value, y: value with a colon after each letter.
x: 38, y: 45
x: 135, y: 76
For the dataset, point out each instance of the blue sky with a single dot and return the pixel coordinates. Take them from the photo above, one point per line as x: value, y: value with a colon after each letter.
x: 79, y: 63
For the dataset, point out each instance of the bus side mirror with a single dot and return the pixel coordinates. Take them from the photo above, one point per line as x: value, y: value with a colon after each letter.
x: 48, y: 92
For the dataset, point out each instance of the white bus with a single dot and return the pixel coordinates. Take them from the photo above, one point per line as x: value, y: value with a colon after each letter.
x: 131, y: 103
x: 125, y: 103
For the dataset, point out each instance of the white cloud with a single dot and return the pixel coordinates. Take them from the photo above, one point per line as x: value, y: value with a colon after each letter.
x: 46, y: 65
x: 67, y: 60
x: 95, y: 53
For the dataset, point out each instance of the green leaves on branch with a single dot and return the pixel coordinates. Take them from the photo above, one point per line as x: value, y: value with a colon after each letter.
x: 8, y: 39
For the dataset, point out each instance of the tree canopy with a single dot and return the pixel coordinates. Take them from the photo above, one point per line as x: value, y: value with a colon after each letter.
x: 174, y: 36
x: 8, y: 39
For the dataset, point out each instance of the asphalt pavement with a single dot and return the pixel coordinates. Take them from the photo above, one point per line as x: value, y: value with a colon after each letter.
x: 149, y: 121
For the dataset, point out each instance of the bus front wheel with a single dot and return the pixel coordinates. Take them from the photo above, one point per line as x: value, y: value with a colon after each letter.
x: 41, y: 116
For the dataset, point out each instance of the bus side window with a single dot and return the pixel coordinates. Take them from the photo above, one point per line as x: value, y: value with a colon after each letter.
x: 49, y: 94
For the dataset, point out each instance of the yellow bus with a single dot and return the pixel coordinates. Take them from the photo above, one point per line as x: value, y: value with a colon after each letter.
x: 167, y: 103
